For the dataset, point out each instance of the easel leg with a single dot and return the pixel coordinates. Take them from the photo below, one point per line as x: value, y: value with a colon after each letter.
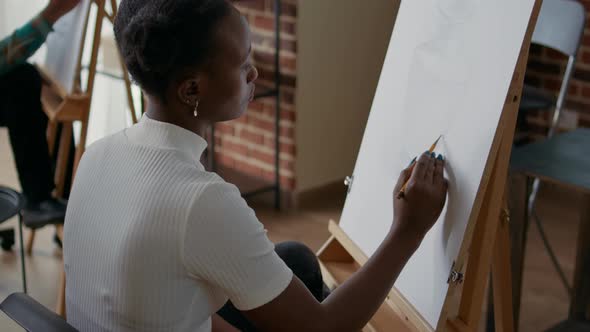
x: 500, y: 300
x: 518, y: 195
x: 481, y: 253
x: 126, y: 78
x: 30, y: 241
x: 51, y: 136
x: 60, y: 307
x: 63, y: 154
x: 81, y: 146
x: 490, y: 319
x: 501, y: 277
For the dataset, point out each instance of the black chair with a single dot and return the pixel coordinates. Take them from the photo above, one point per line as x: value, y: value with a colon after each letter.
x: 32, y: 315
x: 11, y: 204
x: 561, y: 160
x: 7, y: 239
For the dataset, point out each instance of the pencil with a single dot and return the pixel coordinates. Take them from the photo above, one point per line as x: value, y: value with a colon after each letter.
x: 402, y: 192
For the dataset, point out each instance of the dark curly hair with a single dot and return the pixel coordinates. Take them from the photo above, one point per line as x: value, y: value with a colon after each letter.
x: 160, y: 38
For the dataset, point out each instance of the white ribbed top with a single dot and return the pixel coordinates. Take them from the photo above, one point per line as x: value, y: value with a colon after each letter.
x: 153, y: 242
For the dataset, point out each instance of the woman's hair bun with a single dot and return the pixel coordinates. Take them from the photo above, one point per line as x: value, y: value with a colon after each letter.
x: 159, y: 38
x: 155, y: 48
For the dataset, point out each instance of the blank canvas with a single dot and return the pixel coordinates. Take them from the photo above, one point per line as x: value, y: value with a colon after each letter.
x: 447, y: 71
x: 63, y: 45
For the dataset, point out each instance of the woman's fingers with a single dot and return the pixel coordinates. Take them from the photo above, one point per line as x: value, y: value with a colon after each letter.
x: 429, y: 176
x: 421, y: 167
x: 403, y: 178
x: 439, y: 171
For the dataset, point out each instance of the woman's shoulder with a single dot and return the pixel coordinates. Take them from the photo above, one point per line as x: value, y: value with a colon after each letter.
x: 210, y: 183
x: 218, y: 203
x: 105, y: 142
x: 99, y: 149
x: 211, y: 192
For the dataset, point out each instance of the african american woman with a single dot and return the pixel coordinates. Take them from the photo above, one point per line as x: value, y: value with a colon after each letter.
x: 154, y: 242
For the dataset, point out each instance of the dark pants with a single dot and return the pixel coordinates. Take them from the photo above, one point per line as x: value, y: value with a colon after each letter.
x: 22, y: 114
x: 304, y: 265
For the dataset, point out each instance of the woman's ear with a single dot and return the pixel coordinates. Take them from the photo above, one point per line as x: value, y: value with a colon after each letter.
x: 190, y: 91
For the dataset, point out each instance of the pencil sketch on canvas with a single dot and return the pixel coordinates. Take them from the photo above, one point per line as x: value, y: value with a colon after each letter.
x: 441, y: 68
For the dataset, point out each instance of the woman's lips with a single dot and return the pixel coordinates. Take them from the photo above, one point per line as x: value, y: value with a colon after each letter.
x: 252, y: 94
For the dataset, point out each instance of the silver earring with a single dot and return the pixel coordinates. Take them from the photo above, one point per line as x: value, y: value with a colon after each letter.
x: 195, y: 113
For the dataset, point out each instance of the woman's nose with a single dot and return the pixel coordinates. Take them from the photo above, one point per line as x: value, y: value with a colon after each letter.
x: 253, y: 75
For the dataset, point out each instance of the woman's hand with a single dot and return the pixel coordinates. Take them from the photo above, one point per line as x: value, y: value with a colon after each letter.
x: 58, y: 8
x: 424, y: 198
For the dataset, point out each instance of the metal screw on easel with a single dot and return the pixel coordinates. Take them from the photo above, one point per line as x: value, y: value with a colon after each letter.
x: 348, y: 182
x: 455, y: 277
x: 505, y: 216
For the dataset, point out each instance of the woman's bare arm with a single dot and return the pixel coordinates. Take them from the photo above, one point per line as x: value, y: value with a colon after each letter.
x: 352, y: 304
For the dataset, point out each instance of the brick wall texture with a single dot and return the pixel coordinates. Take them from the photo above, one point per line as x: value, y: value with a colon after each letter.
x: 545, y: 70
x: 247, y: 144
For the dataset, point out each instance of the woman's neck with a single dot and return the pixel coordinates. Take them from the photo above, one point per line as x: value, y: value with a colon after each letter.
x: 171, y: 114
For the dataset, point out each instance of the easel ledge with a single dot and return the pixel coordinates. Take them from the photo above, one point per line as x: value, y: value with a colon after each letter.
x: 339, y: 258
x: 485, y: 246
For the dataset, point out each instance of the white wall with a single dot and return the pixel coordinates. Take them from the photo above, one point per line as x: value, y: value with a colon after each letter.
x: 341, y: 48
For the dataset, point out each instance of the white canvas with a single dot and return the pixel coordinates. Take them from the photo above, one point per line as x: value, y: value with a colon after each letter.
x: 447, y: 71
x: 63, y: 46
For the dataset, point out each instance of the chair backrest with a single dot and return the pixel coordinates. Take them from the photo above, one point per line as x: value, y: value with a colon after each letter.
x: 32, y: 315
x: 560, y: 26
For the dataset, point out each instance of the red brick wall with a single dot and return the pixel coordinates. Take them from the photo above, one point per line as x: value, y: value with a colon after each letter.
x: 247, y: 144
x: 545, y: 70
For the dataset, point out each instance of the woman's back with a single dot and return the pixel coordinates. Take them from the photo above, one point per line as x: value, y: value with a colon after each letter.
x: 127, y: 232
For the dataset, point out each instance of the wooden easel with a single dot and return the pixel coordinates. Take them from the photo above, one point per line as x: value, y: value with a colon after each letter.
x: 63, y: 108
x: 486, y: 243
